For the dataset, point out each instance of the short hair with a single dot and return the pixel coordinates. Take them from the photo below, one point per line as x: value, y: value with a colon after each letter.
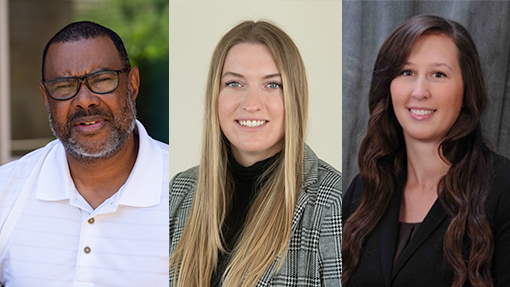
x: 86, y: 30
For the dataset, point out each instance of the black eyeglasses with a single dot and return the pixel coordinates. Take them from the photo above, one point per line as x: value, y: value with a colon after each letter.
x: 101, y: 82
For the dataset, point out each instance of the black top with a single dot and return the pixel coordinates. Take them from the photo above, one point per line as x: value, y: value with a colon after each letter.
x: 245, y: 191
x: 422, y: 263
x: 406, y: 232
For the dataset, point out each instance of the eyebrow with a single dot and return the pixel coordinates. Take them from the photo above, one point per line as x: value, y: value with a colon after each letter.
x: 435, y: 64
x: 241, y: 76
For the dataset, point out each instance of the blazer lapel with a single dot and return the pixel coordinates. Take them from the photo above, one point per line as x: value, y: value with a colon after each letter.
x: 389, y: 232
x: 431, y: 222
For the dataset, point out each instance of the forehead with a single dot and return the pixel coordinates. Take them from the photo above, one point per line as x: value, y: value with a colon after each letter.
x: 78, y: 58
x: 435, y: 47
x: 250, y: 58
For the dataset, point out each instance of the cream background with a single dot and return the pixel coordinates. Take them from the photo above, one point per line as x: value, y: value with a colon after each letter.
x: 195, y: 29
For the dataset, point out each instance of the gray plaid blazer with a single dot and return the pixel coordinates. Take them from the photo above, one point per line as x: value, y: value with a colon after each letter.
x: 314, y: 252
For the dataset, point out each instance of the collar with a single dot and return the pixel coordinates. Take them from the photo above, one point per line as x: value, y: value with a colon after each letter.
x: 142, y: 188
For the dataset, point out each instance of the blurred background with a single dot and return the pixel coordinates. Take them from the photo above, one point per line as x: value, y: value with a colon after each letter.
x: 25, y: 28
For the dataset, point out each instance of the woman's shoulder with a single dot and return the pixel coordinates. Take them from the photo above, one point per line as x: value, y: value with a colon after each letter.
x: 321, y: 180
x: 183, y: 182
x: 352, y: 197
x: 500, y: 179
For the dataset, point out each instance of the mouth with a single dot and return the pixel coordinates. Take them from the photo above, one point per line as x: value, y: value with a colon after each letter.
x: 88, y: 123
x: 422, y: 112
x: 251, y: 124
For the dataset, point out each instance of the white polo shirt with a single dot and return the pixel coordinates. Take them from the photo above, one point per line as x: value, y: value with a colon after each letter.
x: 50, y: 236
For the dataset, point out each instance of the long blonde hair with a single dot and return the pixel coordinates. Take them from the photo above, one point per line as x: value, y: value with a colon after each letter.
x: 266, y: 234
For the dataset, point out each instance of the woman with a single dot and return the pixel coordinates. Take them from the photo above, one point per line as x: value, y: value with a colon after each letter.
x: 261, y: 209
x: 430, y: 206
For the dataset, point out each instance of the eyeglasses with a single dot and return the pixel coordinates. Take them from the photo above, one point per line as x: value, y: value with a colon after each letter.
x: 101, y: 82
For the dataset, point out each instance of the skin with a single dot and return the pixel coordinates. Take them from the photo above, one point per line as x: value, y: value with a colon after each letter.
x: 251, y: 90
x: 96, y: 179
x: 427, y: 98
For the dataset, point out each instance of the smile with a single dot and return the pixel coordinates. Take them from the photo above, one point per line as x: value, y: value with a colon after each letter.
x: 251, y: 124
x: 421, y: 112
x: 88, y: 123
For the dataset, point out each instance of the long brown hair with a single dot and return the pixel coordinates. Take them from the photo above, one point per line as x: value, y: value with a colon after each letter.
x: 382, y: 157
x: 266, y: 234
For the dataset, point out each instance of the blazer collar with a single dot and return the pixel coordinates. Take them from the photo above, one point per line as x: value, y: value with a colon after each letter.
x: 389, y: 233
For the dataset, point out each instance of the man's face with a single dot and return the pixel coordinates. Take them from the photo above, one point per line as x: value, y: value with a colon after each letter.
x: 90, y: 126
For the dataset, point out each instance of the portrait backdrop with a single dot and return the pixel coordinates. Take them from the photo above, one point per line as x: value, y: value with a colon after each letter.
x: 365, y: 26
x: 195, y: 29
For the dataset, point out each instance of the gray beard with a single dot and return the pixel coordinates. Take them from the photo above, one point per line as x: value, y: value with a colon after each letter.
x: 114, y: 142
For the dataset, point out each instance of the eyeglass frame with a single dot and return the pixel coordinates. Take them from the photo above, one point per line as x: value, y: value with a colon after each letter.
x: 84, y: 79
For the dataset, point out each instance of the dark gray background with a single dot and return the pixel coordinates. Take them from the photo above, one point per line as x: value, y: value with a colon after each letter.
x: 365, y: 26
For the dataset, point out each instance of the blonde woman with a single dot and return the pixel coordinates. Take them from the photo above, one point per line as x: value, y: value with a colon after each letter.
x: 261, y: 209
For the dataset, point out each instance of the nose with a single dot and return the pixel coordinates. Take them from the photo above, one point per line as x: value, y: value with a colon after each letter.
x: 85, y: 98
x: 420, y: 89
x: 252, y: 101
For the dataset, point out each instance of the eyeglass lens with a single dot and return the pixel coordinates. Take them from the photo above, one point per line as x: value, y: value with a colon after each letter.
x: 101, y: 83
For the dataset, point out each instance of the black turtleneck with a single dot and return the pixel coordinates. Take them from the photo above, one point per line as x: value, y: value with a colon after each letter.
x: 245, y: 191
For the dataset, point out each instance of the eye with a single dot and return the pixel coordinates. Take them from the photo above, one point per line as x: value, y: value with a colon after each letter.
x: 406, y: 73
x: 274, y: 85
x: 233, y: 84
x: 439, y: 75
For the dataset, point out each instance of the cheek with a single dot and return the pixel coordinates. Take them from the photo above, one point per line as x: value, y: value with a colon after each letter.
x: 226, y: 109
x: 276, y: 106
x: 397, y: 91
x: 58, y: 109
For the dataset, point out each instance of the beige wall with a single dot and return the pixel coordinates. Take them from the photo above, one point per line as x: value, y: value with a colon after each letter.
x: 195, y: 29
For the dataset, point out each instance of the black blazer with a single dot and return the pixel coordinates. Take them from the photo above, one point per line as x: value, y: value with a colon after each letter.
x: 422, y: 262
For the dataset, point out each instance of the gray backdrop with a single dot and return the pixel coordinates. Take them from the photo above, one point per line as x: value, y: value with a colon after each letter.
x: 365, y: 26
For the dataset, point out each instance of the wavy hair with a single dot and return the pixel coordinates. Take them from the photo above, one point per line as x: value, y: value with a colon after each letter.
x: 382, y: 158
x: 266, y: 234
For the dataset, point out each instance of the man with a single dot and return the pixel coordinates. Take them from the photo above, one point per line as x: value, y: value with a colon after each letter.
x: 90, y: 208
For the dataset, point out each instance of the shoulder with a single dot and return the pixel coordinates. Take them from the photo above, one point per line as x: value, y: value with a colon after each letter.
x: 500, y: 180
x: 184, y: 181
x: 321, y: 181
x: 24, y: 165
x: 352, y: 197
x: 182, y: 190
x: 330, y: 182
x: 501, y: 172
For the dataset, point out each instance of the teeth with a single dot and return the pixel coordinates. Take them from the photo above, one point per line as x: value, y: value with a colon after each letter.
x: 251, y: 124
x: 89, y: 123
x: 421, y: 112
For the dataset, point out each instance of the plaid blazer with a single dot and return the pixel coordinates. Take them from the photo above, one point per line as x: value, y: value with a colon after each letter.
x: 313, y: 258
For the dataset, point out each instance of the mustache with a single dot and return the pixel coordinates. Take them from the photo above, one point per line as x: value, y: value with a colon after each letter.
x: 94, y: 111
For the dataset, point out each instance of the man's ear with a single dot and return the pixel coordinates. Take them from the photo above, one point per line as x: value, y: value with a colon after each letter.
x: 134, y: 81
x: 44, y: 95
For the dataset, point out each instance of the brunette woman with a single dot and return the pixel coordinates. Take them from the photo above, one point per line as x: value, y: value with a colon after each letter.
x: 261, y: 209
x: 431, y: 206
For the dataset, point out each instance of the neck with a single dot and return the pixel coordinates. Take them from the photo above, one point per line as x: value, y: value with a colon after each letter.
x: 99, y: 179
x: 425, y: 167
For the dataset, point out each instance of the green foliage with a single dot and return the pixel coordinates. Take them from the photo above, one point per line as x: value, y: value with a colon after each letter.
x: 142, y: 25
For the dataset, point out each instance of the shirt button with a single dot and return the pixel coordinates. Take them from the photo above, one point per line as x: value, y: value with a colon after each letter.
x: 91, y: 220
x: 86, y: 250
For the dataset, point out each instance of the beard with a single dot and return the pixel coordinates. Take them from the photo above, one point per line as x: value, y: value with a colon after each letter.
x: 121, y: 125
